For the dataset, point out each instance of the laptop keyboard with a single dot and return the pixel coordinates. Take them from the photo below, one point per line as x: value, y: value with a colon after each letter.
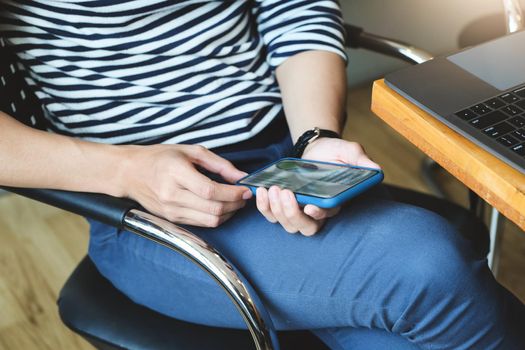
x: 501, y: 118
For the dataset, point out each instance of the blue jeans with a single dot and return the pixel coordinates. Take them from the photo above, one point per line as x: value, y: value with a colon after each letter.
x: 380, y: 275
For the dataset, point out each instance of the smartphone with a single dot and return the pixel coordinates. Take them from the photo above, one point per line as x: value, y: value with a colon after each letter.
x: 323, y: 184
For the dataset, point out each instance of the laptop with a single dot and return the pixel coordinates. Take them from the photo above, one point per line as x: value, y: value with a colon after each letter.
x: 478, y: 92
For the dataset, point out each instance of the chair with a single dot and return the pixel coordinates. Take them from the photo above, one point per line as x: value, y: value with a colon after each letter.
x: 93, y: 308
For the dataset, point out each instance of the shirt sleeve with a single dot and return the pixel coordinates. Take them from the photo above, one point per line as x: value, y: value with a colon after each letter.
x: 288, y: 27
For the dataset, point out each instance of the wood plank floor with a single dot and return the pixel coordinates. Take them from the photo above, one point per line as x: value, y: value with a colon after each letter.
x: 40, y: 245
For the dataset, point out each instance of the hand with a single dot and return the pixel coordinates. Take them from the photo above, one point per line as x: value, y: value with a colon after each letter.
x: 339, y: 151
x: 280, y: 205
x: 165, y: 181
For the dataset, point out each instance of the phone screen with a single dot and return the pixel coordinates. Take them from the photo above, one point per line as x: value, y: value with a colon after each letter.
x: 309, y: 178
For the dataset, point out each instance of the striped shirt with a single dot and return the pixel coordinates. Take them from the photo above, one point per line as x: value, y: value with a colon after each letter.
x: 164, y: 71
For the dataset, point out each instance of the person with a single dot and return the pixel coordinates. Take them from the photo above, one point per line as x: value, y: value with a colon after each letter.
x: 170, y: 102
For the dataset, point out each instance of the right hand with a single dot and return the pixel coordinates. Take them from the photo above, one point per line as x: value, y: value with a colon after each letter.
x: 165, y: 181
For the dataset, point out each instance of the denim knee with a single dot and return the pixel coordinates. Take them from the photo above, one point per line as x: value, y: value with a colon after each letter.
x: 429, y: 253
x: 436, y: 283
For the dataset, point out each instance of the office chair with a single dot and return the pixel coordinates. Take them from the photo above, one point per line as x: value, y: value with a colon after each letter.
x: 89, y: 304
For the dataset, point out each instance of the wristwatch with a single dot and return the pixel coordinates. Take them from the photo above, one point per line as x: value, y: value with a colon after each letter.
x: 308, y: 137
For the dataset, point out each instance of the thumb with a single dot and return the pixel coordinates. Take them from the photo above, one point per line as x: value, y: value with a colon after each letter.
x: 364, y: 161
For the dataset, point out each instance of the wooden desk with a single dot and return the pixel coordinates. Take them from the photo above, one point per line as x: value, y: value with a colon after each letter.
x: 497, y: 183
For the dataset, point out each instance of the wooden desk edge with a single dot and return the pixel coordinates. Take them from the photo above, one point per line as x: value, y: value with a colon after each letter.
x: 469, y: 163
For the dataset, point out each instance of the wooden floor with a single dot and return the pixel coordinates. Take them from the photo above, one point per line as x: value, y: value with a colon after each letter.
x: 40, y: 245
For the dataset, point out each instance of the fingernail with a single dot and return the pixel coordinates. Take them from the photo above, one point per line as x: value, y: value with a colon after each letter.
x: 247, y: 195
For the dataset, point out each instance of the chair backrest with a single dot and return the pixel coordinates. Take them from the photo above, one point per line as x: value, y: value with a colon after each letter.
x: 17, y: 99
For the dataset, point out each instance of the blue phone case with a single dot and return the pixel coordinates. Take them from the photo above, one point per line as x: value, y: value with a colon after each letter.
x: 326, y: 202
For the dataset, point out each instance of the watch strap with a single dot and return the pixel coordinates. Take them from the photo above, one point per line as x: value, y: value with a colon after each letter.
x: 308, y: 137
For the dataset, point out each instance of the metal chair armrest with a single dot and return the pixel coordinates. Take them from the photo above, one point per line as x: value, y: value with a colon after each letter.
x: 101, y: 207
x: 357, y: 38
x: 124, y: 214
x: 513, y: 15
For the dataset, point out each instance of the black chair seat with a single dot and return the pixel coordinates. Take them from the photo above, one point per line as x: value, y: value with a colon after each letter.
x: 91, y: 306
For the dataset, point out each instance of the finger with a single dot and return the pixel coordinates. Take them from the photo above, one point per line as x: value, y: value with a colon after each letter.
x: 194, y: 217
x: 263, y: 204
x: 206, y: 188
x: 190, y: 200
x: 277, y: 210
x: 216, y: 164
x: 295, y: 216
x: 320, y: 213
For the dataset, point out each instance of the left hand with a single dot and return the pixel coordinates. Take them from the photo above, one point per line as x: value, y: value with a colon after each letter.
x: 279, y: 205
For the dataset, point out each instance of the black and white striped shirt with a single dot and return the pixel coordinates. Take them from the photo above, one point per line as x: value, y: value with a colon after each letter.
x: 164, y: 71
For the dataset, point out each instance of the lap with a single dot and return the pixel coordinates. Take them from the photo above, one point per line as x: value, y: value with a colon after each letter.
x: 372, y: 244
